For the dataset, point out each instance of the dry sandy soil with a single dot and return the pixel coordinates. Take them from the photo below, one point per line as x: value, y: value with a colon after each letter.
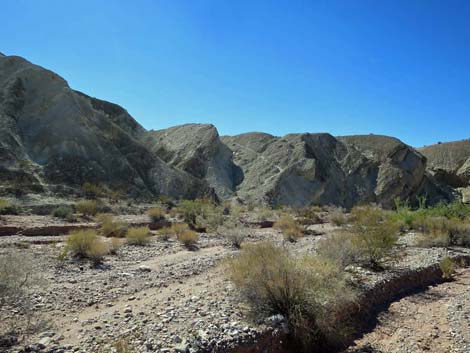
x: 165, y: 298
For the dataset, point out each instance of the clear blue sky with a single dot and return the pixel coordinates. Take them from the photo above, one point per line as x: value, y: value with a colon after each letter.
x: 391, y: 67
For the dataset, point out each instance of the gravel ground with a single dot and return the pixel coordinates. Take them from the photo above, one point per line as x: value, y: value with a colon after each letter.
x: 162, y: 297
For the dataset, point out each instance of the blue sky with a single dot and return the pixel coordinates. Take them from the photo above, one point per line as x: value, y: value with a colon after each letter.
x: 394, y: 67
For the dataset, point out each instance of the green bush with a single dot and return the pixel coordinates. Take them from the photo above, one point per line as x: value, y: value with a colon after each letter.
x: 309, y: 292
x: 156, y: 214
x: 138, y: 236
x: 87, y: 208
x: 86, y: 244
x: 64, y: 212
x: 165, y: 233
x: 4, y: 205
x: 92, y: 191
x: 375, y: 235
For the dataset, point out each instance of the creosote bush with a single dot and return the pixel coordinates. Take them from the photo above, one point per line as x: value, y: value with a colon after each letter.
x: 64, y: 212
x: 310, y: 292
x: 88, y: 208
x: 188, y: 238
x: 156, y: 214
x: 165, y: 233
x: 111, y: 228
x: 86, y: 244
x: 138, y: 236
x: 289, y: 228
x: 374, y: 235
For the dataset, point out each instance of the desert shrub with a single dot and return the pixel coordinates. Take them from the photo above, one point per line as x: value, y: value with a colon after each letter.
x: 188, y: 238
x: 211, y: 218
x: 4, y: 205
x: 459, y: 232
x: 191, y: 209
x: 434, y: 238
x: 263, y: 214
x: 114, y: 245
x: 165, y: 233
x: 375, y: 236
x: 18, y: 279
x: 92, y: 191
x: 234, y: 235
x: 156, y: 214
x: 178, y: 228
x: 341, y: 248
x: 309, y: 214
x: 289, y: 228
x: 138, y: 236
x: 309, y: 292
x: 87, y: 208
x: 64, y: 212
x: 447, y: 266
x: 338, y: 218
x: 111, y: 228
x: 86, y: 244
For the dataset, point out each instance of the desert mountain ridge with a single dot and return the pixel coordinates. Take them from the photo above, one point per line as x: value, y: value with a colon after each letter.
x: 54, y: 139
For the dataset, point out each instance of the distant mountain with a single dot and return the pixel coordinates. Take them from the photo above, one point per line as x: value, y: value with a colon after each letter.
x: 54, y: 139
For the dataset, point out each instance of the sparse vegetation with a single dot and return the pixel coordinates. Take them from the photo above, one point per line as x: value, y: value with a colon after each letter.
x: 111, y: 228
x: 88, y: 208
x: 188, y: 238
x: 234, y: 235
x: 447, y: 266
x: 341, y: 248
x: 156, y: 214
x: 290, y: 229
x: 309, y: 292
x: 165, y: 233
x: 4, y: 205
x: 63, y: 212
x: 138, y: 236
x: 92, y: 191
x: 86, y: 244
x: 374, y: 235
x: 338, y: 218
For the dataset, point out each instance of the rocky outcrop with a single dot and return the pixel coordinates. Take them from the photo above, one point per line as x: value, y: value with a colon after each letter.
x: 197, y: 149
x: 53, y: 138
x: 302, y: 169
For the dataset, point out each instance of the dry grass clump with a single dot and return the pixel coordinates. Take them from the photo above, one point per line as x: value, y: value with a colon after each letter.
x: 88, y: 208
x: 290, y: 229
x: 188, y: 238
x: 156, y: 214
x: 138, y: 236
x: 165, y: 233
x: 338, y: 218
x: 111, y: 228
x: 18, y: 278
x: 234, y: 235
x: 447, y: 266
x: 201, y: 213
x: 114, y: 245
x: 309, y: 291
x: 86, y: 244
x: 340, y: 247
x: 309, y: 214
x: 374, y: 234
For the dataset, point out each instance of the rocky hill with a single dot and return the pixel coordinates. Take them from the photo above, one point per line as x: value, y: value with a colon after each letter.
x: 54, y: 139
x: 450, y: 164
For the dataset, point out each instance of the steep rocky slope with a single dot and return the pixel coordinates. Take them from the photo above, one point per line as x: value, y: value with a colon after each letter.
x: 197, y: 149
x: 54, y: 138
x: 449, y: 163
x: 300, y: 169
